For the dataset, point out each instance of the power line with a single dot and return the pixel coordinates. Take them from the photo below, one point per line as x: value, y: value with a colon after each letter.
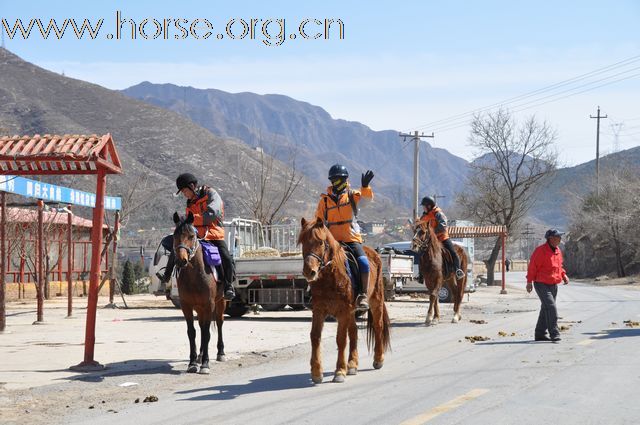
x: 450, y: 120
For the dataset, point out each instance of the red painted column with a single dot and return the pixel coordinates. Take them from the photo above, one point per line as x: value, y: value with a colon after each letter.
x: 114, y: 262
x: 504, y: 282
x: 69, y: 263
x: 3, y: 260
x: 96, y: 246
x: 39, y: 267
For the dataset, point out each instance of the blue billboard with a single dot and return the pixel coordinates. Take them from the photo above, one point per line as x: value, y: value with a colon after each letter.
x: 51, y: 192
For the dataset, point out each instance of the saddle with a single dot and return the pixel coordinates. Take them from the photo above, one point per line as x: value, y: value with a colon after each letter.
x: 447, y: 263
x: 212, y: 260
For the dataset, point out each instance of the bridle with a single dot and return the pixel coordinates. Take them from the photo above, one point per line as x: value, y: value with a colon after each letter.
x: 190, y: 251
x: 322, y: 261
x: 420, y: 244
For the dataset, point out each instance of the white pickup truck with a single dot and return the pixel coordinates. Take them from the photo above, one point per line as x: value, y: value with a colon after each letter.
x: 269, y: 267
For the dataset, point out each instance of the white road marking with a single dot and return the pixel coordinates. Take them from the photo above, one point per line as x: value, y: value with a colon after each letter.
x: 446, y: 407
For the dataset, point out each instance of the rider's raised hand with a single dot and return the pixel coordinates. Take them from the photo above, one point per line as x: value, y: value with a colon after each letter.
x: 366, y: 178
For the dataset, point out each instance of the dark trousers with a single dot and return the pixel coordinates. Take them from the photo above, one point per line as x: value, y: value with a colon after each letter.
x: 548, y: 317
x: 454, y: 256
x: 228, y: 269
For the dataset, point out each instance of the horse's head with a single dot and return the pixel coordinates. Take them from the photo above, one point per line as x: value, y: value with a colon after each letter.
x: 422, y: 236
x: 315, y: 240
x: 185, y: 239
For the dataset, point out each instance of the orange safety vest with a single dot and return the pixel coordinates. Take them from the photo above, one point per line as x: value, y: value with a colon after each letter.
x: 339, y: 215
x: 438, y: 221
x: 208, y: 213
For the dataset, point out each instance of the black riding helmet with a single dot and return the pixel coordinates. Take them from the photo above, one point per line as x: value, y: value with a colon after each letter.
x: 553, y: 232
x: 337, y: 171
x: 184, y: 180
x: 428, y: 201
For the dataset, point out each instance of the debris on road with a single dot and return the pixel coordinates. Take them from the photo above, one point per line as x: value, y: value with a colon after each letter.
x: 479, y: 322
x: 476, y: 338
x: 150, y: 399
x: 631, y: 323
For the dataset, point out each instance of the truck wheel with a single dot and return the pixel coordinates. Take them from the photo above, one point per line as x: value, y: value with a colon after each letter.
x: 176, y: 302
x: 298, y: 307
x: 236, y: 310
x: 273, y: 307
x: 444, y: 295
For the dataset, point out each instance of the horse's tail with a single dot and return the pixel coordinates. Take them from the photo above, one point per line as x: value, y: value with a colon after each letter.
x: 386, y: 330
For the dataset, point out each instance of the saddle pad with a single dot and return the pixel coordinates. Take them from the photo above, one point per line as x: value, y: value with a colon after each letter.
x: 211, y: 255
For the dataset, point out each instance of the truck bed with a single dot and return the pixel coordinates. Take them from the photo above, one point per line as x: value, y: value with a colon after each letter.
x: 268, y: 267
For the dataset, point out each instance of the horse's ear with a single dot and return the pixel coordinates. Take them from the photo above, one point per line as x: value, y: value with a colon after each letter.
x: 319, y: 224
x: 176, y: 218
x: 303, y: 222
x: 190, y: 218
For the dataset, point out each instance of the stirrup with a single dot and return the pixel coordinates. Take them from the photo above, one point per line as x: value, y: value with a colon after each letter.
x: 362, y: 302
x: 459, y: 274
x: 229, y: 294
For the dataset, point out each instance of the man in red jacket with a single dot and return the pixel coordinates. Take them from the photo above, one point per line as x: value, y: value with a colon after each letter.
x: 544, y: 274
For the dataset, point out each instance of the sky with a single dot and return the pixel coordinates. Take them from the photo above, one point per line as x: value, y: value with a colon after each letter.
x: 403, y: 65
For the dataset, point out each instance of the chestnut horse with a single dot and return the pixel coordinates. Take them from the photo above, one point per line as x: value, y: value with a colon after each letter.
x: 198, y: 291
x: 332, y: 294
x: 431, y: 266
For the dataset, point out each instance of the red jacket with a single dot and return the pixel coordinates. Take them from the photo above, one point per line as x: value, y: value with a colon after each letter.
x: 545, y: 266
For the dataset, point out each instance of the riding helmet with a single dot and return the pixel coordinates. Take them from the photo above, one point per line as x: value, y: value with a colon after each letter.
x: 428, y: 201
x: 184, y: 180
x: 338, y: 170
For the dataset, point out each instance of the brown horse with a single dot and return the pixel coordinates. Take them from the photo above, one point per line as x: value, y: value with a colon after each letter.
x: 431, y: 266
x: 332, y: 294
x: 198, y: 291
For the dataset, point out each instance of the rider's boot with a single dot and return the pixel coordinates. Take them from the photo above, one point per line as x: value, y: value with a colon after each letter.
x: 229, y: 292
x: 362, y: 301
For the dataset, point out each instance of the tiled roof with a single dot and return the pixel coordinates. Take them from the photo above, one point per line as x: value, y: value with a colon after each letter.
x: 53, y: 154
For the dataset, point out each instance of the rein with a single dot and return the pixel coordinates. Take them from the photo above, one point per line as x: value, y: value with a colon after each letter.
x: 322, y: 261
x: 190, y: 251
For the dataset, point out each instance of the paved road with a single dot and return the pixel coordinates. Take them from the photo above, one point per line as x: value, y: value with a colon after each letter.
x: 434, y: 375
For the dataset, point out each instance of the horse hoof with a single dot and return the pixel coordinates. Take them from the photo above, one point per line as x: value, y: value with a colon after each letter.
x: 377, y: 365
x: 199, y: 359
x: 339, y: 378
x: 317, y: 379
x: 428, y: 322
x: 352, y: 371
x: 455, y: 320
x: 193, y: 368
x: 221, y: 358
x: 204, y: 371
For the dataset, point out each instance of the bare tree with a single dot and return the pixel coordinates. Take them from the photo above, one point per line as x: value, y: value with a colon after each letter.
x: 511, y: 161
x: 609, y: 219
x: 267, y: 193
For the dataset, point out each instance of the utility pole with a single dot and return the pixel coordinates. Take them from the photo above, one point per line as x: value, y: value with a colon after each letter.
x: 436, y: 197
x: 416, y: 153
x: 528, y: 233
x: 598, y: 117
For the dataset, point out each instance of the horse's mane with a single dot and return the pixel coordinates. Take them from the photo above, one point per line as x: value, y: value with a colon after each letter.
x: 433, y: 247
x: 313, y: 230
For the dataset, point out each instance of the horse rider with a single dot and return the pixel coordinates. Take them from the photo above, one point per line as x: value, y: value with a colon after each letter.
x: 208, y: 212
x: 435, y: 217
x: 338, y: 208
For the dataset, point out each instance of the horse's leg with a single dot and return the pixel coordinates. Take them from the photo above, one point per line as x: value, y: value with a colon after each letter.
x: 191, y: 333
x: 377, y: 316
x: 341, y: 340
x: 436, y: 307
x: 205, y: 336
x: 458, y: 294
x: 218, y: 313
x: 353, y: 349
x: 316, y: 355
x: 432, y: 299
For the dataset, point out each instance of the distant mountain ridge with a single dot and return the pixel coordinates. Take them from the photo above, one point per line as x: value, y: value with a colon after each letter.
x: 283, y: 125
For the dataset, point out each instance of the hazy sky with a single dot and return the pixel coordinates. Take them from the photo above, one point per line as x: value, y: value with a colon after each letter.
x: 402, y: 65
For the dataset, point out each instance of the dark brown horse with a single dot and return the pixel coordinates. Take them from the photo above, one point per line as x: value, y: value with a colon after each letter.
x: 198, y: 291
x: 431, y: 266
x: 332, y: 294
